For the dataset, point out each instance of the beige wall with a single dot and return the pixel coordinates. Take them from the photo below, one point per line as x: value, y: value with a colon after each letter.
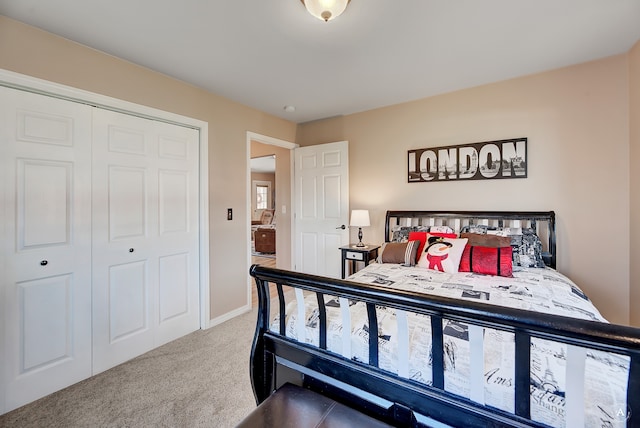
x: 283, y: 198
x: 576, y: 120
x: 582, y: 123
x: 27, y: 50
x: 634, y: 178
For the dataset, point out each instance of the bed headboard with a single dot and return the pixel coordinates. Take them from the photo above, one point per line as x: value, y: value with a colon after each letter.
x: 543, y: 222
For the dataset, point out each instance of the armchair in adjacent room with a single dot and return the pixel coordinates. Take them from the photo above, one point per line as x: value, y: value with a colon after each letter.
x: 266, y: 217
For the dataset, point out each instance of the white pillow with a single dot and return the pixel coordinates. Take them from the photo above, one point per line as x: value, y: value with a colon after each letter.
x: 442, y: 254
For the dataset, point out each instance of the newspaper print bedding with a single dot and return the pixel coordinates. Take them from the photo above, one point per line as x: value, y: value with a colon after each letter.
x: 408, y: 354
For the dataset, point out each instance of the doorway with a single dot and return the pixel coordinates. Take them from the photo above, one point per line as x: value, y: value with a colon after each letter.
x: 263, y: 218
x: 280, y: 152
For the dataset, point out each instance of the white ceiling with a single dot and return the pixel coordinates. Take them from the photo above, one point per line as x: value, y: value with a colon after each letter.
x: 270, y: 53
x: 263, y: 164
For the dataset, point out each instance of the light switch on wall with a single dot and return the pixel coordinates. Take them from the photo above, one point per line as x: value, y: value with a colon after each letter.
x: 229, y: 214
x: 284, y: 209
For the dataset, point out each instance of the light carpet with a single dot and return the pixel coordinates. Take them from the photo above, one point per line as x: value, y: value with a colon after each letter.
x: 199, y: 380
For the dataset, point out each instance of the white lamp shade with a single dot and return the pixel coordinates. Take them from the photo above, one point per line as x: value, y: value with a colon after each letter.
x: 326, y: 9
x: 360, y: 218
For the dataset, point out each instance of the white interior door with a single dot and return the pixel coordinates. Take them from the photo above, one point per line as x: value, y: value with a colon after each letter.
x: 145, y: 236
x: 45, y: 286
x: 321, y: 201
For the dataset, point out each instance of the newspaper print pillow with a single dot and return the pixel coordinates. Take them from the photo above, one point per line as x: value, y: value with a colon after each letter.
x: 525, y: 243
x: 401, y: 233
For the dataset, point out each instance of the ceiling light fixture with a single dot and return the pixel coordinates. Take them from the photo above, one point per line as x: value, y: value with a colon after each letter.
x: 325, y: 9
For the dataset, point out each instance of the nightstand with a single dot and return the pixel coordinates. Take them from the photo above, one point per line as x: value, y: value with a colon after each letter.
x: 354, y: 254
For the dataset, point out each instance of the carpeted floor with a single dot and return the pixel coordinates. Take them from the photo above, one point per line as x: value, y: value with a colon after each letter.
x: 200, y: 380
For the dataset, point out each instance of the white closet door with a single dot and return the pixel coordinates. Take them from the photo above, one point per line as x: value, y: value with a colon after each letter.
x: 45, y: 212
x: 145, y: 235
x: 178, y: 232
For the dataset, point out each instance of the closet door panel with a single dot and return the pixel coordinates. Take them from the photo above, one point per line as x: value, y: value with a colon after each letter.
x: 173, y: 198
x: 43, y: 187
x: 174, y: 286
x: 177, y: 230
x: 128, y: 308
x: 44, y: 126
x: 46, y: 330
x: 45, y: 288
x: 145, y: 204
x: 124, y: 269
x: 128, y: 197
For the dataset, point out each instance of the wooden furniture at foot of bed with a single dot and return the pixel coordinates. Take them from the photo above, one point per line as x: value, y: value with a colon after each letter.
x: 293, y: 406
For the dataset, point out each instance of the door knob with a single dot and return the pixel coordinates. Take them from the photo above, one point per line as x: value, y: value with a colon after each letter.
x: 343, y: 227
x: 131, y: 250
x: 44, y: 263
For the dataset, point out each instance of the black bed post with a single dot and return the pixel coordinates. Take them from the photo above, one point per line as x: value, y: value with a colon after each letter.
x: 437, y: 351
x: 261, y: 362
x: 522, y: 373
x: 633, y: 391
x: 373, y: 334
x: 386, y: 227
x: 552, y: 238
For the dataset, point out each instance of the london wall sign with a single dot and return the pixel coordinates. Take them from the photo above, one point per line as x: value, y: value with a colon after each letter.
x: 488, y: 160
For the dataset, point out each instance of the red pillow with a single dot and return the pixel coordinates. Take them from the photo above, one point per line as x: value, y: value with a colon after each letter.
x: 422, y: 237
x: 487, y: 260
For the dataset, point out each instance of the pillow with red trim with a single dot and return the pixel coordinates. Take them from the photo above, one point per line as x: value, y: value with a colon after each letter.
x: 525, y: 243
x: 487, y: 260
x: 422, y: 237
x: 399, y: 252
x: 442, y: 254
x: 485, y: 240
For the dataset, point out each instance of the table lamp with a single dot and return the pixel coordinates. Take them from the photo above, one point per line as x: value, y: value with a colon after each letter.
x: 360, y: 219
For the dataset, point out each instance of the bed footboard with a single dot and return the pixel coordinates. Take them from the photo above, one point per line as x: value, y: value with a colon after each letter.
x: 277, y: 359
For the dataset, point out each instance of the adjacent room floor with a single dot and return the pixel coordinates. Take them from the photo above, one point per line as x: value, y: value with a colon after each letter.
x: 263, y: 261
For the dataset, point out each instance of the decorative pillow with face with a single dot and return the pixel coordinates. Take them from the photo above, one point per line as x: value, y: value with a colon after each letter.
x: 422, y: 237
x: 442, y: 254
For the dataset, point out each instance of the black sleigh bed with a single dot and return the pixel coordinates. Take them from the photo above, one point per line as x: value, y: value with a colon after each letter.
x: 398, y: 344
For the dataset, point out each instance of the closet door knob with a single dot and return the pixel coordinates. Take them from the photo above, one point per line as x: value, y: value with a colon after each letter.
x: 343, y: 227
x: 131, y: 250
x: 44, y: 263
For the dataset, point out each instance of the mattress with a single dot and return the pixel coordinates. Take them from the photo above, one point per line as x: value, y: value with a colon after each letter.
x: 478, y: 361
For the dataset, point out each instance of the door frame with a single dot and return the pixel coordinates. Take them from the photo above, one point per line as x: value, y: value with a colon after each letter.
x: 44, y: 87
x: 264, y: 139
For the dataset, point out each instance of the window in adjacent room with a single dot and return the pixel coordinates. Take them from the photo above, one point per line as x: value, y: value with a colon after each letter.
x: 262, y: 196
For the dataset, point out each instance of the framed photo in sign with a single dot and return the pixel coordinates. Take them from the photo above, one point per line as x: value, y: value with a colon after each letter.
x: 489, y: 160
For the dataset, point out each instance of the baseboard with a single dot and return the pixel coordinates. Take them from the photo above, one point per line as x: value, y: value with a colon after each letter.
x: 226, y: 317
